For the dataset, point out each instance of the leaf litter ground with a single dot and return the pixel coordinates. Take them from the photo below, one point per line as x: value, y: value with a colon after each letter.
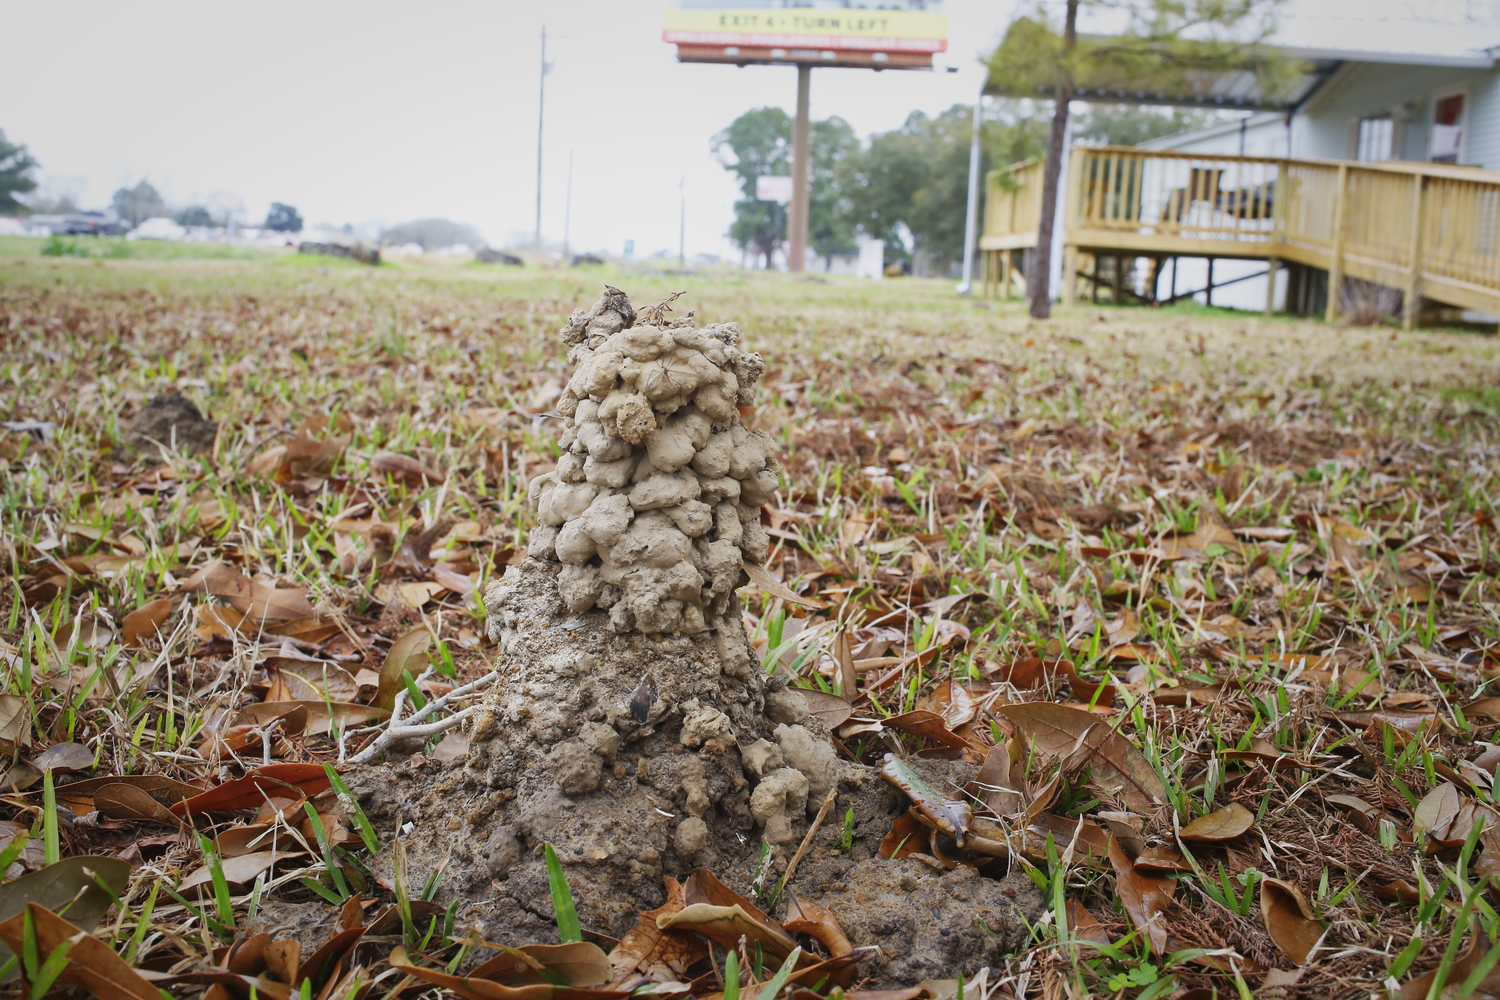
x: 1211, y: 599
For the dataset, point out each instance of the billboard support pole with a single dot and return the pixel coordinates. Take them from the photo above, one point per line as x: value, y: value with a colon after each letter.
x: 796, y: 221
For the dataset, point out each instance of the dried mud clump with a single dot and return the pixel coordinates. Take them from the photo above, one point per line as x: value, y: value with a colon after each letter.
x: 170, y: 422
x: 629, y: 727
x: 655, y: 503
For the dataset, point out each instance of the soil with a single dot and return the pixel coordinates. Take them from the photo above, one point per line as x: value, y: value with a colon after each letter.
x: 637, y: 757
x: 170, y: 422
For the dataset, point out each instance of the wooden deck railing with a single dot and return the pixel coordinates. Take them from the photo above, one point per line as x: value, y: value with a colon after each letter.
x: 1429, y: 230
x: 1012, y: 205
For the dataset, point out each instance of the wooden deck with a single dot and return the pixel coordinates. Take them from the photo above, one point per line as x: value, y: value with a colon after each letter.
x: 1428, y: 230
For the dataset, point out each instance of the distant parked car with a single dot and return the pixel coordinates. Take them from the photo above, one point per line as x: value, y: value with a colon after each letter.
x: 89, y: 224
x: 489, y: 255
x: 157, y: 229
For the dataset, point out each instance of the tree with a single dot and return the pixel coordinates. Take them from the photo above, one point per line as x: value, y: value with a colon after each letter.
x: 16, y: 165
x: 830, y: 223
x: 914, y: 180
x: 760, y: 142
x: 1133, y: 124
x: 194, y: 215
x: 432, y: 234
x: 283, y: 218
x: 136, y: 205
x: 1169, y: 48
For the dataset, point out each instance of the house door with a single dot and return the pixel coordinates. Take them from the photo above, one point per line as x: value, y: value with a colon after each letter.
x: 1448, y: 120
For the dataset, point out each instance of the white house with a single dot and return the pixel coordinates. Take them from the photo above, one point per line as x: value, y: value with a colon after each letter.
x: 1414, y: 87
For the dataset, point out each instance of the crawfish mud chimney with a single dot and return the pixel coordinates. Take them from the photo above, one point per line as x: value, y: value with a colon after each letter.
x: 632, y: 727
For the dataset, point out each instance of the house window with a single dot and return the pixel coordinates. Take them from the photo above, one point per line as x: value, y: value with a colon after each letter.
x: 1448, y: 113
x: 1376, y: 137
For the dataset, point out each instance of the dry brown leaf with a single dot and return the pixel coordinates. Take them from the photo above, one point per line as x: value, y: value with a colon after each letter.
x: 651, y: 951
x: 129, y: 802
x: 844, y: 676
x: 251, y: 791
x: 315, y: 449
x: 239, y: 870
x: 830, y: 708
x: 321, y: 716
x: 1289, y: 920
x: 469, y: 987
x: 773, y: 587
x: 219, y: 579
x: 1162, y: 859
x: 1361, y: 813
x: 15, y: 723
x: 267, y: 602
x: 727, y: 925
x: 1479, y: 946
x: 64, y: 758
x: 817, y: 921
x: 1083, y: 924
x: 92, y: 965
x: 1146, y: 898
x: 1437, y: 811
x: 1223, y: 824
x: 928, y: 725
x: 310, y: 680
x: 951, y: 701
x: 579, y: 964
x: 907, y: 836
x: 1058, y: 729
x: 407, y: 655
x: 145, y: 622
x: 404, y: 469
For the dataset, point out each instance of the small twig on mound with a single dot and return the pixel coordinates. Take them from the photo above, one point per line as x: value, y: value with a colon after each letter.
x: 833, y: 794
x: 398, y: 729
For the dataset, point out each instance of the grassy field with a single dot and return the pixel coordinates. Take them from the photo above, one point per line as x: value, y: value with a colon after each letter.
x: 1262, y: 550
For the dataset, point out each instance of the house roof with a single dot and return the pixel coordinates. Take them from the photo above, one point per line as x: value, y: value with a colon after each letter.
x: 1405, y: 41
x: 1327, y: 35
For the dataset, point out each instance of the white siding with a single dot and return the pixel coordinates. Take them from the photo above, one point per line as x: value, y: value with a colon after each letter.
x: 1323, y: 129
x: 1265, y: 134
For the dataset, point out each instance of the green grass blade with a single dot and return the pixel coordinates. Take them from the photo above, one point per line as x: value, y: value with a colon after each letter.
x: 568, y: 928
x: 782, y: 975
x: 732, y: 975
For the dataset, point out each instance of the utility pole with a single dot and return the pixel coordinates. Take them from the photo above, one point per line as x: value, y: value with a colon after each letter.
x: 797, y: 214
x: 541, y: 110
x: 971, y: 217
x: 568, y: 208
x: 682, y: 222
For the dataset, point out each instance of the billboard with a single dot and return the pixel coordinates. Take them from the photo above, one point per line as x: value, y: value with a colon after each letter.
x: 773, y: 187
x: 872, y: 34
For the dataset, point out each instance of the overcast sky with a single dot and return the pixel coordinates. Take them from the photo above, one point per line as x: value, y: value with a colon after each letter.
x: 380, y: 110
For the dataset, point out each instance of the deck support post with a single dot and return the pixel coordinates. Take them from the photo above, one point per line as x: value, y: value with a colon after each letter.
x: 1119, y: 282
x: 1336, y: 263
x: 1413, y: 298
x: 1208, y: 295
x: 1070, y: 275
x: 1271, y: 285
x: 1004, y: 260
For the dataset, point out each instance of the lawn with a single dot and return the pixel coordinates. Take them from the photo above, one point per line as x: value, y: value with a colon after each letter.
x: 1261, y: 550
